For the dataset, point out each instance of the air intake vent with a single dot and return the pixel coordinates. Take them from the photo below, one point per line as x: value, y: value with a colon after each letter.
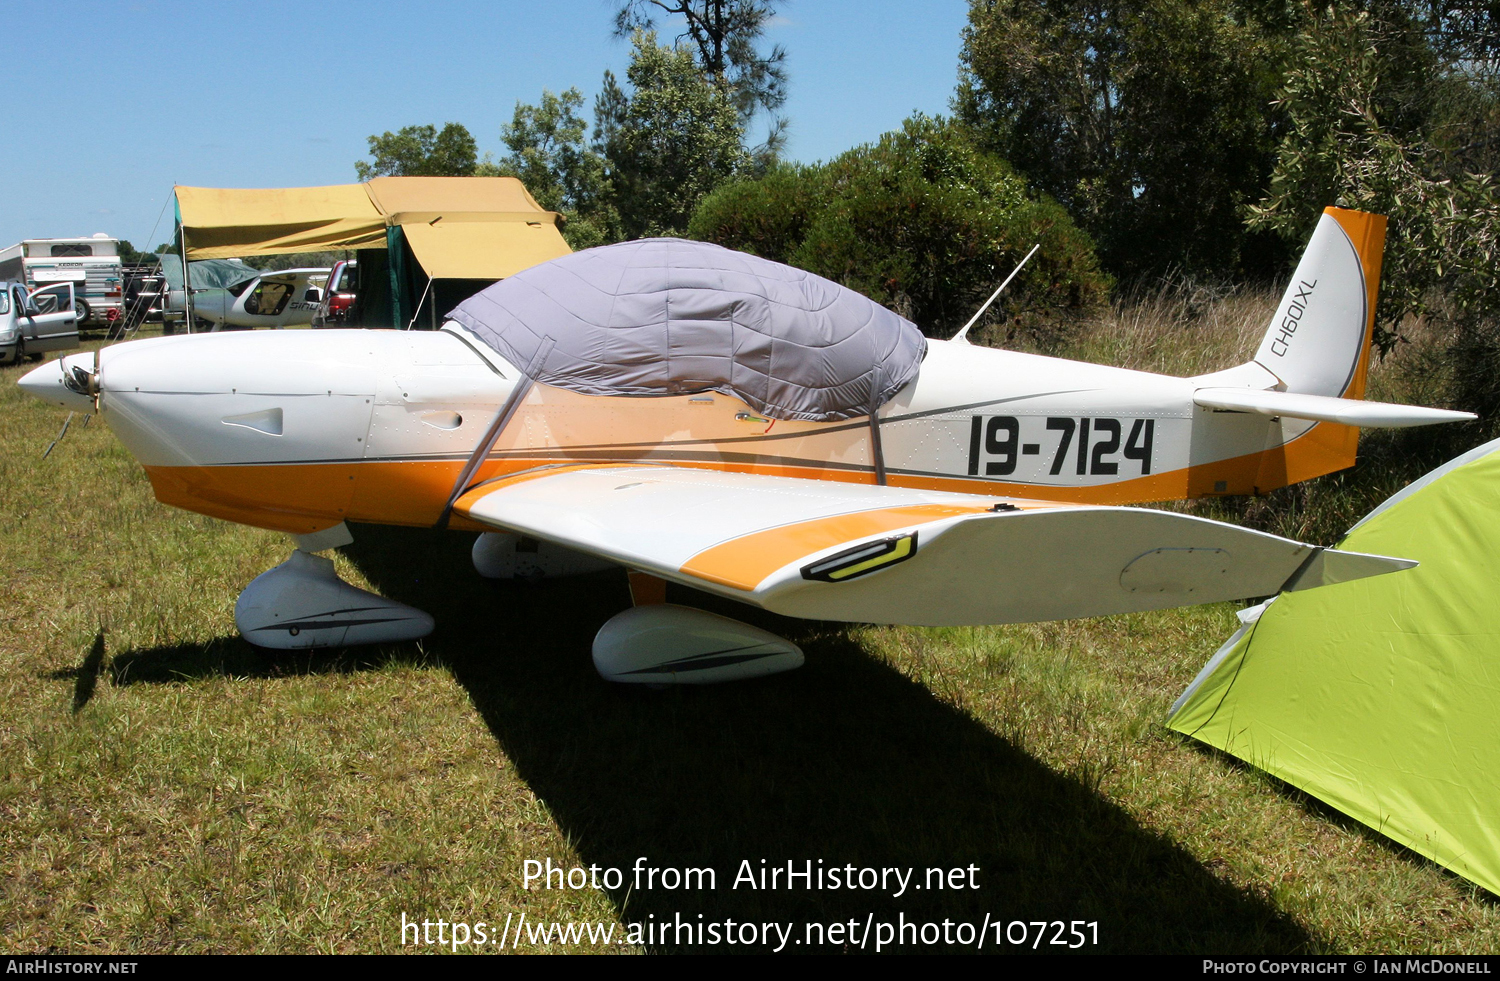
x: 266, y: 421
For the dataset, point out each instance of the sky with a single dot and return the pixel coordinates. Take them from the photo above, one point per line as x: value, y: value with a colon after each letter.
x: 115, y: 101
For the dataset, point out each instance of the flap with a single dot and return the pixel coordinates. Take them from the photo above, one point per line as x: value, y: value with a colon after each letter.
x: 876, y: 554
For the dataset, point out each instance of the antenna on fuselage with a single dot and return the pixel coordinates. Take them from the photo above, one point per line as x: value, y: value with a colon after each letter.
x: 962, y: 335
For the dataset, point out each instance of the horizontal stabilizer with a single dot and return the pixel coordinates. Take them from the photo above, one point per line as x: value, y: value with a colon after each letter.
x: 873, y: 554
x: 1323, y: 408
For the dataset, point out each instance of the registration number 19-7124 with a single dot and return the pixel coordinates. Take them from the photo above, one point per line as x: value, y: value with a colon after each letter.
x: 1081, y: 446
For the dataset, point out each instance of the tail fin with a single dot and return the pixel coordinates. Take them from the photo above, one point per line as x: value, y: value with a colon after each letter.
x: 1319, y: 341
x: 1309, y: 374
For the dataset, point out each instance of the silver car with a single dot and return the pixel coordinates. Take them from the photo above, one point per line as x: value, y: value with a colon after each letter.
x: 34, y: 322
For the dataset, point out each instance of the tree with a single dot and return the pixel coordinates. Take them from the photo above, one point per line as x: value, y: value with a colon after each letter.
x: 1463, y: 32
x: 1464, y: 120
x: 421, y: 151
x: 550, y: 154
x: 673, y: 132
x: 1363, y: 133
x: 131, y: 257
x: 294, y: 260
x: 923, y: 221
x: 725, y: 36
x: 673, y: 137
x: 1147, y: 119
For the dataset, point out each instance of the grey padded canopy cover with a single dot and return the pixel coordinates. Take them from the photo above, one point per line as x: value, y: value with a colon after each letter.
x: 667, y: 316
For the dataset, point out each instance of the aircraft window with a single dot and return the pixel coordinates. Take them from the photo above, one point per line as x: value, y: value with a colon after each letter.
x: 72, y: 249
x: 268, y: 300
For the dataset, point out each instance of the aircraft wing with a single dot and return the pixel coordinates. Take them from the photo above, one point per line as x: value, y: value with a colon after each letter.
x: 875, y: 554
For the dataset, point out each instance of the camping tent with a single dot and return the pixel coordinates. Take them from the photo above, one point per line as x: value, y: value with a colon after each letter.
x: 417, y: 237
x: 1381, y: 697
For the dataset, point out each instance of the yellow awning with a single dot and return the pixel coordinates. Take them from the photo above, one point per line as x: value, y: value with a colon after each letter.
x: 458, y: 227
x: 224, y: 223
x: 483, y: 250
x: 469, y: 227
x: 392, y: 195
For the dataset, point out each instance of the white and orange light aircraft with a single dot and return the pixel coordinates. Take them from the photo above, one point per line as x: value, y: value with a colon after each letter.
x: 717, y: 420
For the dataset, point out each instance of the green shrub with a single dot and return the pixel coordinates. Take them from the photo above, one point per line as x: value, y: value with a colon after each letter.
x: 923, y: 221
x: 767, y: 217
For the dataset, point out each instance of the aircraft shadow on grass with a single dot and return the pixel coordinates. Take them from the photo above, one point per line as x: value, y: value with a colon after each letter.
x: 86, y: 675
x: 233, y: 657
x: 844, y: 760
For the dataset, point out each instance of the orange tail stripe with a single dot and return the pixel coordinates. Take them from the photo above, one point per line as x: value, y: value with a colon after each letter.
x: 1367, y: 232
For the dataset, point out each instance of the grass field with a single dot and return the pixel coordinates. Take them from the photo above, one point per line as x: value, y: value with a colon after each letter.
x: 166, y: 787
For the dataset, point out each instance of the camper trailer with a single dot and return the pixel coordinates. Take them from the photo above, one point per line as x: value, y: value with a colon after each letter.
x: 91, y: 264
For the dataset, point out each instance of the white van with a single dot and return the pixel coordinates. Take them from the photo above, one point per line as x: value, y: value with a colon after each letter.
x: 36, y: 321
x: 91, y: 264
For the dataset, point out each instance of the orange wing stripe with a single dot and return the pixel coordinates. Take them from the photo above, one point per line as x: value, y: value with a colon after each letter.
x: 743, y: 562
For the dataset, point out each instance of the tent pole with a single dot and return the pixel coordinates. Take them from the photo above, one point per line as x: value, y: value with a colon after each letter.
x: 418, y: 311
x: 396, y: 264
x: 187, y: 279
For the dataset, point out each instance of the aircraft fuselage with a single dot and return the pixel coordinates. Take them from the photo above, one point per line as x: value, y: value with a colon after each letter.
x: 298, y: 431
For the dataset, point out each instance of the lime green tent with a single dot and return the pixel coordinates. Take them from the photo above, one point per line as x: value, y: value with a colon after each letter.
x: 1381, y: 697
